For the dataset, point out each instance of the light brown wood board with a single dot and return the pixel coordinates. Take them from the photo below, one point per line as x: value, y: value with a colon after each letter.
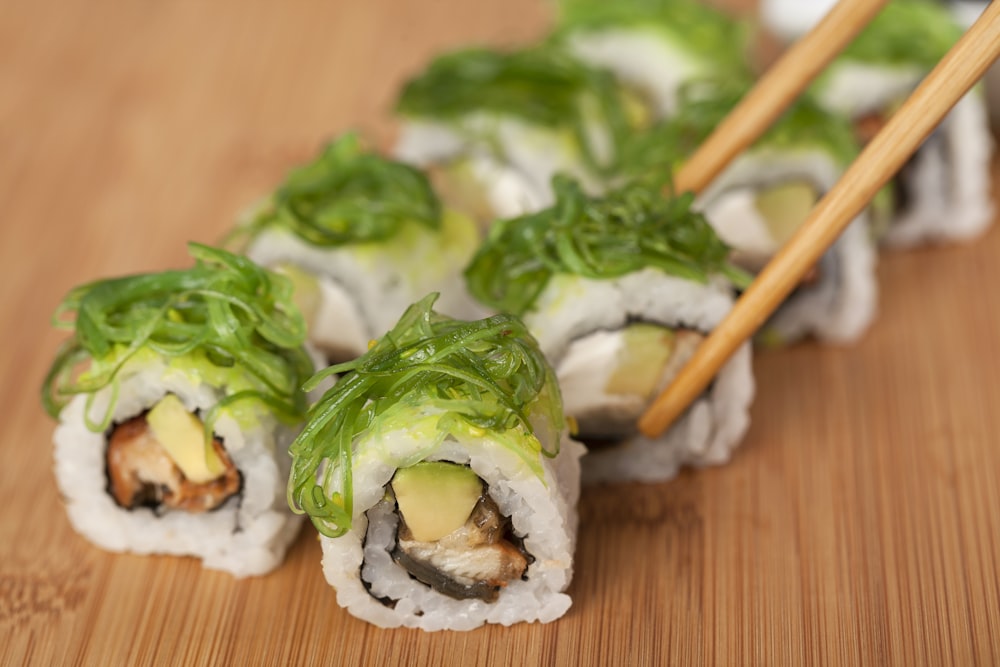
x: 859, y: 522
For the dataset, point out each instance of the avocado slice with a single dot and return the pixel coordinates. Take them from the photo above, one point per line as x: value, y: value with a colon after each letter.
x: 182, y: 435
x: 785, y: 207
x: 436, y: 498
x: 643, y: 355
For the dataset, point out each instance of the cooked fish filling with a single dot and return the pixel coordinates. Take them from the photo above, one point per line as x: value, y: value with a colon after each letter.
x: 141, y: 473
x: 475, y: 560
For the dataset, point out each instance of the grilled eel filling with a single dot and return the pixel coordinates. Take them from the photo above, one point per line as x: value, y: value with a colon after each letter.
x: 476, y: 559
x: 141, y: 473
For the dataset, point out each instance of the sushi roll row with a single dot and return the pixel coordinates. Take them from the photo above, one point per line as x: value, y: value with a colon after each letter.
x: 410, y: 347
x: 437, y: 465
x: 503, y: 110
x: 182, y: 396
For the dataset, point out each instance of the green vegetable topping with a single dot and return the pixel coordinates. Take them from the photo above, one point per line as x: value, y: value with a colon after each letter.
x: 704, y: 104
x: 226, y: 317
x: 430, y: 375
x: 348, y: 195
x: 906, y: 32
x: 697, y: 27
x: 626, y: 230
x: 541, y: 85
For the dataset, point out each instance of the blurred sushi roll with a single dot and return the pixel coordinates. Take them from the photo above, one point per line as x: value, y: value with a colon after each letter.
x: 790, y: 19
x: 440, y: 475
x: 620, y: 290
x: 655, y: 47
x: 496, y: 126
x: 354, y: 231
x: 177, y: 397
x: 758, y: 202
x: 943, y: 192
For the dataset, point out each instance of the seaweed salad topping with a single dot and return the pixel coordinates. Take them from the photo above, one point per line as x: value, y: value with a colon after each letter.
x: 348, y: 195
x: 628, y: 229
x: 906, y: 32
x: 224, y: 318
x: 433, y: 375
x: 698, y: 27
x: 703, y: 106
x: 541, y: 85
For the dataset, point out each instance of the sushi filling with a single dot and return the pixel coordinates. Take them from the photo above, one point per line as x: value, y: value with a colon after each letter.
x: 450, y: 535
x: 608, y: 378
x: 757, y: 221
x: 145, y: 471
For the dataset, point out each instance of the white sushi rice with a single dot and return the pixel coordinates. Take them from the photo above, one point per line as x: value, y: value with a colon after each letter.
x: 509, y: 193
x: 532, y: 154
x: 365, y: 288
x: 646, y: 59
x: 247, y: 535
x: 950, y: 181
x: 855, y: 88
x: 571, y: 308
x: 842, y: 305
x: 790, y: 19
x: 542, y: 511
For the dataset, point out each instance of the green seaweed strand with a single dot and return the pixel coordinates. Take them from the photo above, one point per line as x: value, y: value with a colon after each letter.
x: 700, y: 28
x: 348, y: 196
x: 488, y: 374
x: 705, y: 103
x: 628, y: 229
x: 906, y: 32
x: 226, y: 309
x: 542, y: 85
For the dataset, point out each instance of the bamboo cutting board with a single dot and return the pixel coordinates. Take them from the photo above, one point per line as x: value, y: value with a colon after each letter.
x: 859, y: 522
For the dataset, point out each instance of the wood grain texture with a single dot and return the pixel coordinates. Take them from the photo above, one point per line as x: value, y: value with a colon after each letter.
x: 859, y: 523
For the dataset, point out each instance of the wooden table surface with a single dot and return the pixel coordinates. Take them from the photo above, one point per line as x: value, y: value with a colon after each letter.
x: 859, y: 522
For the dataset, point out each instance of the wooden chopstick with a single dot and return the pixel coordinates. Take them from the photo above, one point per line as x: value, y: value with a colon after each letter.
x: 775, y: 91
x: 961, y: 67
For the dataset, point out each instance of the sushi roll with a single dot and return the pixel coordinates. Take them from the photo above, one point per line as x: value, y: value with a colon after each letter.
x: 766, y: 193
x: 655, y: 47
x: 943, y: 191
x: 353, y: 230
x: 619, y: 291
x: 440, y: 476
x: 177, y: 397
x: 498, y: 125
x: 790, y: 19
